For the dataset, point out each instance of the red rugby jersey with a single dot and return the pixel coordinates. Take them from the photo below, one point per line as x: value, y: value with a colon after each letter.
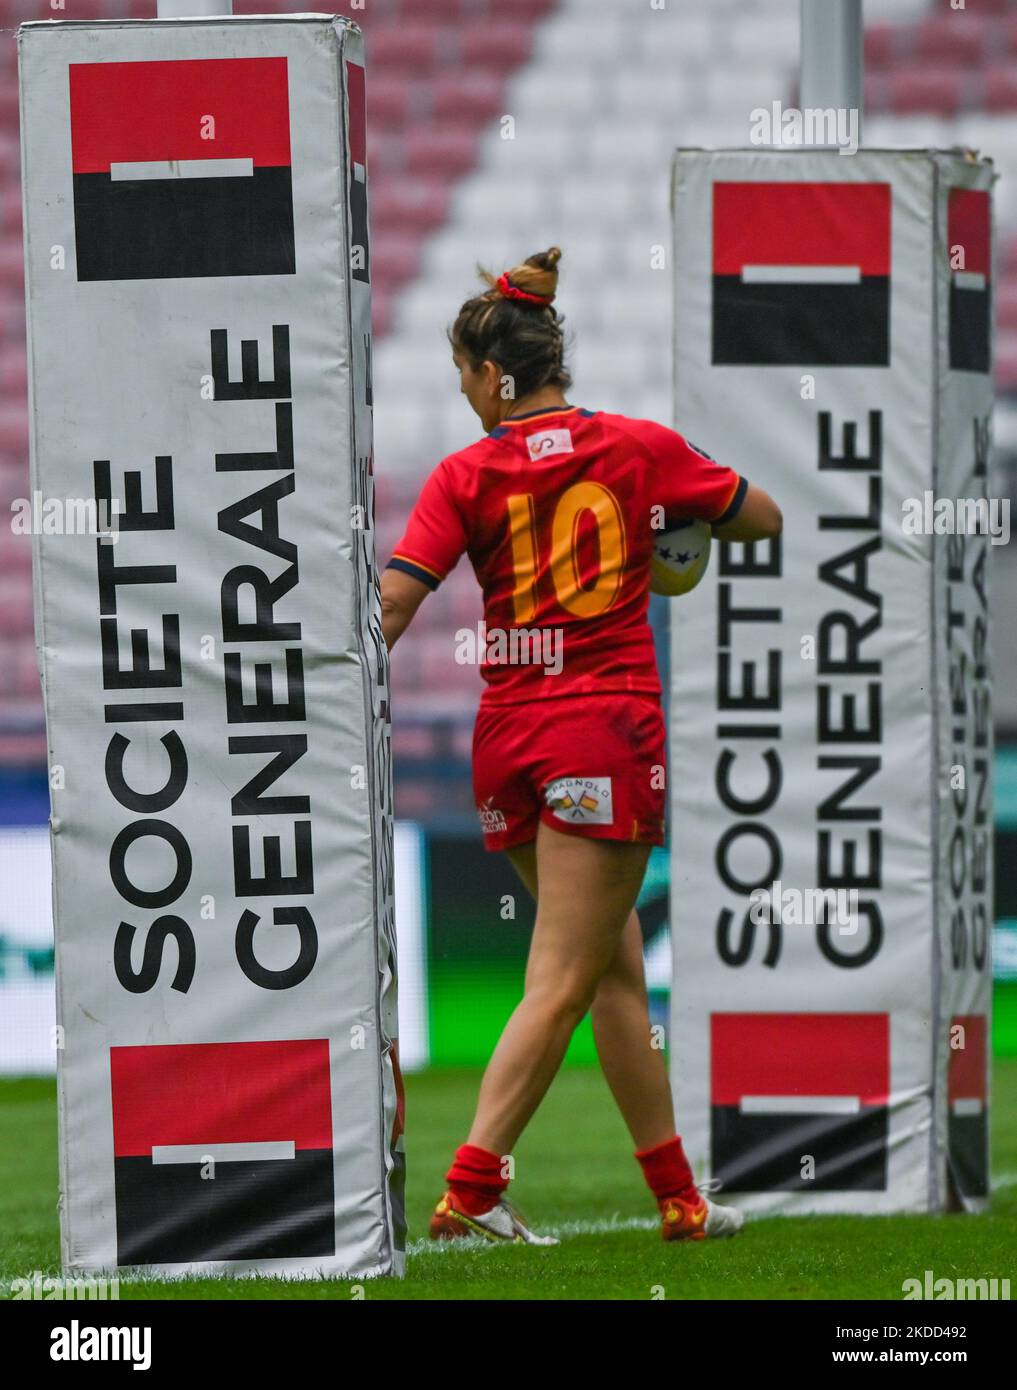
x: 555, y: 509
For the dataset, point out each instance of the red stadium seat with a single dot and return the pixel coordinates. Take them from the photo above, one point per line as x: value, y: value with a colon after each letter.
x: 1006, y: 306
x: 25, y: 747
x: 1006, y: 362
x: 412, y: 49
x: 9, y: 651
x: 955, y: 40
x: 15, y: 548
x: 387, y: 493
x: 445, y: 152
x: 15, y: 604
x: 876, y: 91
x: 409, y: 202
x: 528, y: 10
x: 467, y: 97
x: 438, y: 666
x: 388, y: 103
x: 466, y: 605
x: 9, y: 113
x: 12, y: 262
x: 395, y: 256
x: 11, y: 201
x: 440, y: 11
x: 881, y: 44
x: 12, y: 315
x: 27, y: 683
x: 497, y: 47
x: 13, y: 371
x: 14, y: 433
x: 938, y: 91
x: 382, y: 311
x: 1000, y: 90
x: 10, y: 158
x: 13, y: 483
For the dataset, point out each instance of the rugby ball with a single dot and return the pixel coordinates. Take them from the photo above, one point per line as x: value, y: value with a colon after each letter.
x: 680, y: 557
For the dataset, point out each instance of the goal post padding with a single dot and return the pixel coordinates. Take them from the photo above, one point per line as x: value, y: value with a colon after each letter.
x: 830, y: 703
x: 216, y: 686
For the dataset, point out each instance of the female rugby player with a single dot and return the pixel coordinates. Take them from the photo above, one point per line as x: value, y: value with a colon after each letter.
x: 556, y: 507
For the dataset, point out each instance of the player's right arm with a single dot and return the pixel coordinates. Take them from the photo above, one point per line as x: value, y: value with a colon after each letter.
x: 434, y: 539
x: 401, y: 596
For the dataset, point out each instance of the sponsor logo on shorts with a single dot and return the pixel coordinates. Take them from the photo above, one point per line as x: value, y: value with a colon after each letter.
x: 581, y: 800
x: 492, y: 822
x: 547, y: 442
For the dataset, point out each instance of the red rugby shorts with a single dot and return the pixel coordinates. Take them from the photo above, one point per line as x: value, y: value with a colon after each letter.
x: 589, y: 765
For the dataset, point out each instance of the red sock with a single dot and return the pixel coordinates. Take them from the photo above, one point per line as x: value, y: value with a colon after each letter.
x: 666, y: 1169
x: 475, y: 1179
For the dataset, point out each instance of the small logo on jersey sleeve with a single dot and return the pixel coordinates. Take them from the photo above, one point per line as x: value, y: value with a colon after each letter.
x: 581, y: 800
x: 547, y: 442
x: 492, y: 821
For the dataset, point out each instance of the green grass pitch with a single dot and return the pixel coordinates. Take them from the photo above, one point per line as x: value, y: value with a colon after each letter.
x: 574, y: 1174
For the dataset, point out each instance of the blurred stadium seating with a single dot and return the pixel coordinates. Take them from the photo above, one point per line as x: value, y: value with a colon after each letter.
x: 499, y: 127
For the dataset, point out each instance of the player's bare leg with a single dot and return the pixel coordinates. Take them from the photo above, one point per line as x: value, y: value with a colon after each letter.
x: 637, y: 1076
x: 633, y: 1066
x: 587, y: 889
x: 634, y: 1069
x: 586, y: 930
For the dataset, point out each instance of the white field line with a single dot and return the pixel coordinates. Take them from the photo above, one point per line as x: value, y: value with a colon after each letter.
x: 426, y: 1246
x: 446, y: 1248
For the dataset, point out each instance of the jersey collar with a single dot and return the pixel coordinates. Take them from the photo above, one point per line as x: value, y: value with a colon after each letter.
x: 536, y: 414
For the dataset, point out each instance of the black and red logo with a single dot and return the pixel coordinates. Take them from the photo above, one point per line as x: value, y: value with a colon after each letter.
x: 355, y: 97
x: 181, y: 168
x: 223, y: 1151
x: 789, y: 1087
x: 801, y: 274
x: 968, y: 224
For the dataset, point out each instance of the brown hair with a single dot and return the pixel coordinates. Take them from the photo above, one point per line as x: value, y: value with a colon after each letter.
x: 524, y: 336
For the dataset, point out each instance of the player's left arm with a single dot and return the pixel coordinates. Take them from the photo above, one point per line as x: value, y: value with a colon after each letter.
x: 757, y: 518
x: 700, y: 487
x: 401, y: 596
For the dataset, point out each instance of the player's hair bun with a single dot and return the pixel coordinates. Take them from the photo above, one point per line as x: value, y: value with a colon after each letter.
x: 535, y: 281
x: 515, y: 323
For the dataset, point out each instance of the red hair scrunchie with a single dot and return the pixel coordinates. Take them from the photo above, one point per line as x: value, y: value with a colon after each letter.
x: 511, y: 291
